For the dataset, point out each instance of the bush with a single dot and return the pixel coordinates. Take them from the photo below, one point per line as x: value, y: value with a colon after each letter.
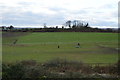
x: 35, y: 72
x: 118, y: 65
x: 13, y: 71
x: 57, y: 68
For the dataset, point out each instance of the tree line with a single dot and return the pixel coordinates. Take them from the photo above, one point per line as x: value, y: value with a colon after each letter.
x: 68, y: 26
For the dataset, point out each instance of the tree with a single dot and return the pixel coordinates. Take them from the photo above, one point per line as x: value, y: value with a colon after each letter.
x: 87, y: 25
x: 62, y: 27
x: 45, y: 25
x: 76, y: 24
x: 68, y: 23
x: 11, y: 27
x: 57, y: 27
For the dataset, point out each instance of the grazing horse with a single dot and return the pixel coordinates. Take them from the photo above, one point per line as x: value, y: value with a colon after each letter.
x: 78, y: 45
x: 58, y: 46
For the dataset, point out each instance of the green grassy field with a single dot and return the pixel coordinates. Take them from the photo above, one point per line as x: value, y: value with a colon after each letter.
x: 94, y: 47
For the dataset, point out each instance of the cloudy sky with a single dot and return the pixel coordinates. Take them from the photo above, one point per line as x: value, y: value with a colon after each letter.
x: 102, y: 13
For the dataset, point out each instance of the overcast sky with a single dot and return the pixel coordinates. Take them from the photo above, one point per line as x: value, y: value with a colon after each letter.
x: 57, y: 12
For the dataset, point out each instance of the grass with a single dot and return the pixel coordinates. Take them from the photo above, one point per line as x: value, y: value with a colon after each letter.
x: 95, y: 47
x: 68, y: 37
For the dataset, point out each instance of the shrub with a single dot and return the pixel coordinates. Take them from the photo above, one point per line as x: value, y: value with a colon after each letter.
x: 35, y: 72
x: 57, y: 68
x: 13, y: 71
